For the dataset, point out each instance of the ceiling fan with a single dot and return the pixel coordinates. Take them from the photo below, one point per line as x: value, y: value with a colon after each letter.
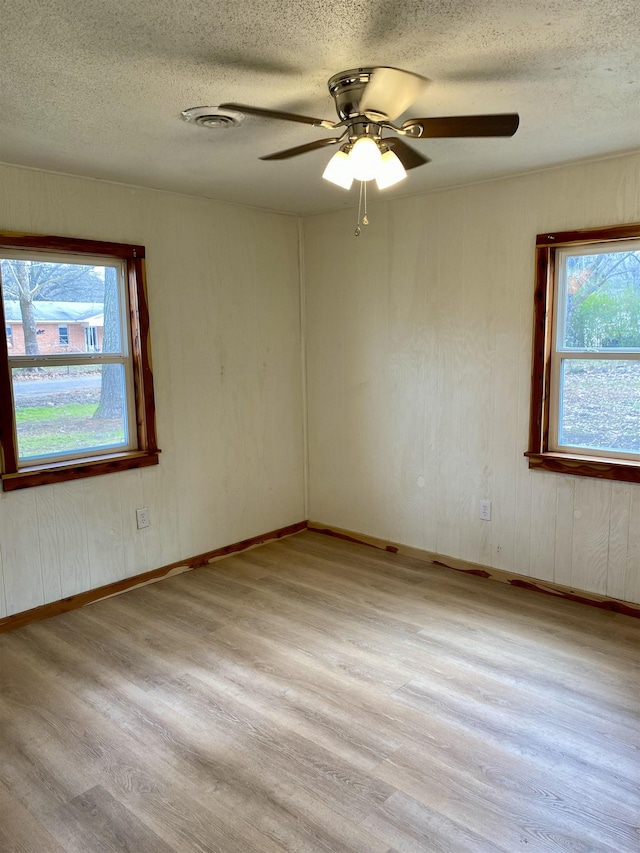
x: 367, y: 101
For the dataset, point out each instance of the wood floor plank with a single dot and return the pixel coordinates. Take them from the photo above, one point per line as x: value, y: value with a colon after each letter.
x: 581, y: 750
x: 411, y: 825
x: 229, y: 766
x: 96, y: 821
x: 319, y: 695
x: 340, y: 555
x: 92, y: 749
x: 546, y: 651
x: 20, y: 832
x: 324, y: 775
x: 325, y: 707
x: 506, y: 807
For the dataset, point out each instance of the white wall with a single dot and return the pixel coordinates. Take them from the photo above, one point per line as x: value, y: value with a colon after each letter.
x: 223, y: 287
x: 419, y: 358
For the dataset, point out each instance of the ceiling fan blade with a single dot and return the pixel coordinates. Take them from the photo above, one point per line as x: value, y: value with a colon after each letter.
x: 301, y: 149
x: 390, y: 92
x: 502, y: 124
x: 408, y: 156
x: 263, y: 113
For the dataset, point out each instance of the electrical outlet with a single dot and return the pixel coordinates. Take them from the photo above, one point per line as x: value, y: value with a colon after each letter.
x: 142, y: 518
x: 485, y: 510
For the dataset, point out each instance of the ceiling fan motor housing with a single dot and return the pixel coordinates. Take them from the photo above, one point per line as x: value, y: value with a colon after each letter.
x: 346, y: 89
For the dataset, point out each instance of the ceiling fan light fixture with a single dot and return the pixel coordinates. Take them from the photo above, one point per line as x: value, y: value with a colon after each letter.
x: 339, y: 170
x: 368, y: 101
x: 365, y: 157
x: 391, y: 171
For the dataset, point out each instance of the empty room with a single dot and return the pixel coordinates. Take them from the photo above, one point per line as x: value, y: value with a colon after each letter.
x: 320, y: 427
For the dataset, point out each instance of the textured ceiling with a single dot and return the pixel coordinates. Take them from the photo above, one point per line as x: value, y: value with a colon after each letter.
x: 96, y: 88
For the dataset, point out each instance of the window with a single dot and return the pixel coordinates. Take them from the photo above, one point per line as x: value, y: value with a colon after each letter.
x: 91, y: 339
x: 585, y: 399
x: 82, y: 401
x: 9, y: 333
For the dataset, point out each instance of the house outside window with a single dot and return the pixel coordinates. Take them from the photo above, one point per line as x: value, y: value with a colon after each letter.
x: 9, y: 333
x: 79, y: 371
x: 585, y: 403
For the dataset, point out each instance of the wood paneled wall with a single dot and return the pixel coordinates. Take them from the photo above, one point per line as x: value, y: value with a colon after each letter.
x: 418, y: 365
x: 223, y: 286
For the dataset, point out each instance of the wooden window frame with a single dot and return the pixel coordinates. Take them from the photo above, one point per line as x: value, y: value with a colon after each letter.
x: 539, y: 455
x: 146, y: 452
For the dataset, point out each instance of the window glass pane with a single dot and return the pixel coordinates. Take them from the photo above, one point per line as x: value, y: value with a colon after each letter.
x: 602, y: 300
x: 63, y: 410
x: 600, y: 404
x: 41, y: 297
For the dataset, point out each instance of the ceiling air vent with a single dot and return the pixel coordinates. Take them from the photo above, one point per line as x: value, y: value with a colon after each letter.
x: 212, y: 118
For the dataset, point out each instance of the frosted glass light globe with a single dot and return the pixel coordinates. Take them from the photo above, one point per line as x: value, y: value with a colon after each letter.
x: 391, y: 171
x: 339, y: 170
x: 365, y: 159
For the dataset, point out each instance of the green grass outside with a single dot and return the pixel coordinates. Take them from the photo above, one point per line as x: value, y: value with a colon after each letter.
x: 44, y: 430
x: 46, y: 414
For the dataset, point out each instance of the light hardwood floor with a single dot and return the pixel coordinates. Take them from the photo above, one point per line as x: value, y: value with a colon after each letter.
x: 318, y: 695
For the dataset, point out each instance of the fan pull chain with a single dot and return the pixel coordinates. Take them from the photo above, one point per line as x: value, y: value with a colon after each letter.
x: 358, y: 230
x: 365, y: 218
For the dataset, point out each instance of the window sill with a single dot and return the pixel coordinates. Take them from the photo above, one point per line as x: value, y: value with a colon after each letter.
x: 605, y: 468
x: 77, y: 469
